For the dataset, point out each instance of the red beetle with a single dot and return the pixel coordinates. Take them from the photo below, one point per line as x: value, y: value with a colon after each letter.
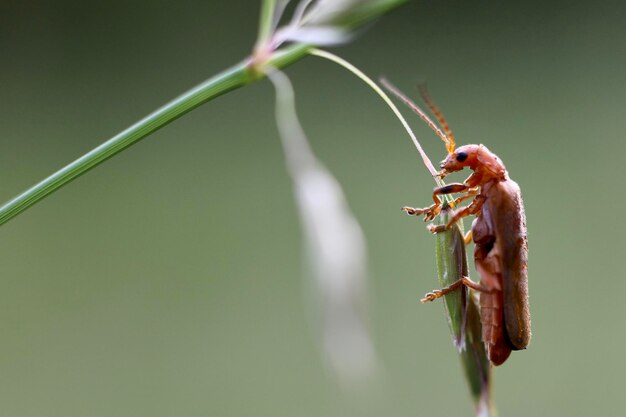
x: 499, y: 235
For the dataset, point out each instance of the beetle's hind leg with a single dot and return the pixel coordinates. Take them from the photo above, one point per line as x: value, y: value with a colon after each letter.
x: 463, y: 281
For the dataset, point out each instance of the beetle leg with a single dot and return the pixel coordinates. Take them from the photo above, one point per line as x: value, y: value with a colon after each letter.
x: 474, y: 180
x: 464, y: 212
x: 468, y: 237
x: 418, y: 211
x: 446, y: 189
x: 472, y: 192
x: 455, y: 187
x: 432, y: 296
x: 432, y: 211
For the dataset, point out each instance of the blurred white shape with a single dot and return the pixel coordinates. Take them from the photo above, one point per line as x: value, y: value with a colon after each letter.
x: 316, y: 35
x: 300, y: 9
x: 484, y: 409
x: 317, y: 22
x: 281, y: 5
x: 325, y: 11
x: 335, y: 246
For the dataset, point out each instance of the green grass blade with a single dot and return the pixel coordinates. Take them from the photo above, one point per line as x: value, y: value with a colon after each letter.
x: 230, y: 79
x: 463, y: 315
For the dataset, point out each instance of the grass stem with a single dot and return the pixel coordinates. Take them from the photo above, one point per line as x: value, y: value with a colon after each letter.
x: 228, y: 80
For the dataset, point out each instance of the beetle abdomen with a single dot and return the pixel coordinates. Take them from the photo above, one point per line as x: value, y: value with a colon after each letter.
x: 492, y: 319
x: 487, y: 259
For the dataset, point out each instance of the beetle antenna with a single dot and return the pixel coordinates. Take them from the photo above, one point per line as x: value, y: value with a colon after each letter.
x: 402, y: 97
x: 450, y: 144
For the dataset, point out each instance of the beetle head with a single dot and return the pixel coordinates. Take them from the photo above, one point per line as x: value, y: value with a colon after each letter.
x: 464, y: 156
x: 476, y: 158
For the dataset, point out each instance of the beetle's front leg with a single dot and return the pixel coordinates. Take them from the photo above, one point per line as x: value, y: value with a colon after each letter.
x: 431, y: 212
x: 463, y: 281
x: 464, y: 212
x: 411, y: 211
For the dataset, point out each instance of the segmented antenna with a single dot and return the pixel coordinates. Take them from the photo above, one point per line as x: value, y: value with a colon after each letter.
x: 450, y: 144
x: 449, y: 141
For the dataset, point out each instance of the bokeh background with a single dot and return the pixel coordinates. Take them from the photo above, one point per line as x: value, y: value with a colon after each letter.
x: 169, y: 281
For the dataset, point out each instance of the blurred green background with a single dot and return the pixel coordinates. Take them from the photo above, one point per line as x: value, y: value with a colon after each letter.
x: 168, y: 281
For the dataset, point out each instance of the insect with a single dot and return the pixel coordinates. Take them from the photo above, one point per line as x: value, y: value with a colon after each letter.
x: 499, y: 235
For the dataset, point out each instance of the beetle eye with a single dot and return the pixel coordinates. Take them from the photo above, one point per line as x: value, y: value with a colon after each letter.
x: 461, y: 156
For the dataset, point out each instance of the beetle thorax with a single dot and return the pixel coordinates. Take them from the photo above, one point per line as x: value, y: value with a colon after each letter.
x: 489, y: 164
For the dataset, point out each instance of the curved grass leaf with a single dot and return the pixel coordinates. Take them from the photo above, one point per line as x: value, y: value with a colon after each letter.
x: 463, y: 315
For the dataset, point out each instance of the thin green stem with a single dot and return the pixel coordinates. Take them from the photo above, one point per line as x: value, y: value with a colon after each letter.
x: 266, y: 22
x: 228, y: 80
x: 342, y: 62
